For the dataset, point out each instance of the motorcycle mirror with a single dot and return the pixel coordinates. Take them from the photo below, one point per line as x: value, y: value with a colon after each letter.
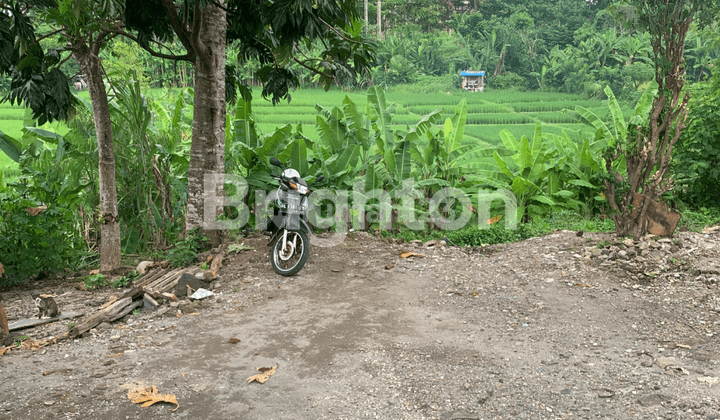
x: 275, y: 161
x: 320, y: 178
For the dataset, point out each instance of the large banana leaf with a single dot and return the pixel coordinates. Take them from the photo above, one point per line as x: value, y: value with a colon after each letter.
x: 595, y: 121
x: 422, y: 126
x: 11, y: 147
x: 453, y: 139
x: 403, y: 161
x: 357, y: 124
x: 331, y: 128
x: 380, y: 113
x: 617, y: 115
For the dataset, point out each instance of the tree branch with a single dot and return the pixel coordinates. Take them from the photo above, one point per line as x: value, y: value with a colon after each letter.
x: 179, y: 29
x: 332, y: 28
x: 184, y: 57
x: 314, y: 70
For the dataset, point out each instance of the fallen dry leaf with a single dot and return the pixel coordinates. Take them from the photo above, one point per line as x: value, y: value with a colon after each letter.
x: 583, y: 285
x: 2, y: 270
x: 149, y: 396
x: 49, y: 372
x: 112, y: 356
x: 93, y: 272
x: 183, y: 375
x: 264, y: 376
x: 387, y: 267
x: 3, y: 350
x: 34, y: 211
x: 234, y: 340
x: 411, y: 254
x: 494, y: 220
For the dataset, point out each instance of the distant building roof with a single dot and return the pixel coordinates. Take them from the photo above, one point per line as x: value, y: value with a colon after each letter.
x: 472, y: 73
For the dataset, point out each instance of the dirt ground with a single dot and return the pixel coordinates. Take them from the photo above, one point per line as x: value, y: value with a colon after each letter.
x: 558, y: 327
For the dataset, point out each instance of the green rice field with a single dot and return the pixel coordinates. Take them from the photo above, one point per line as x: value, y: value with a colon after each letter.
x: 488, y: 112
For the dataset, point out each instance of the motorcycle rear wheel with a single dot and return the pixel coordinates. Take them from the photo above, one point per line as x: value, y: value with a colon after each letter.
x: 290, y: 260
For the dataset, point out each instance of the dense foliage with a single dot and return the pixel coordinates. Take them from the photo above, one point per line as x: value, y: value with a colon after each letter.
x: 531, y: 145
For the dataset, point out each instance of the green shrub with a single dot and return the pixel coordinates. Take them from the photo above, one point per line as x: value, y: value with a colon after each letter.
x: 95, y: 281
x: 185, y: 251
x: 35, y: 246
x: 125, y: 280
x: 697, y: 157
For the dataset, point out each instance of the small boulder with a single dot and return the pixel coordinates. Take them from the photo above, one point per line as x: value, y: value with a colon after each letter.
x: 191, y: 281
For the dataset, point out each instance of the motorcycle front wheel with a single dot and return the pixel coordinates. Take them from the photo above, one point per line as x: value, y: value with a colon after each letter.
x: 292, y: 258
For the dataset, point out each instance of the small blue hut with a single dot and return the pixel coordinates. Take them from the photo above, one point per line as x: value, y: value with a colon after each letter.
x: 473, y: 81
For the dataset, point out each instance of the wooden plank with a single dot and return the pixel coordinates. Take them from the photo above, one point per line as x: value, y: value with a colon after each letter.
x: 169, y: 296
x: 105, y: 315
x: 161, y: 287
x: 127, y: 310
x: 154, y: 277
x: 165, y: 278
x: 34, y: 322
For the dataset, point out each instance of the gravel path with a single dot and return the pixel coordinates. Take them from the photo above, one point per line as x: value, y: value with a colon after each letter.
x: 542, y: 329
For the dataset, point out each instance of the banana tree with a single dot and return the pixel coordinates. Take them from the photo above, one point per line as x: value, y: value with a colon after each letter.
x: 525, y: 173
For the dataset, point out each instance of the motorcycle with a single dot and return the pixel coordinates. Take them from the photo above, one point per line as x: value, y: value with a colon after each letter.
x: 288, y: 229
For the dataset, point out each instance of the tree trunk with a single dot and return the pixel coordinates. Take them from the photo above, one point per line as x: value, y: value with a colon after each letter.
x: 366, y: 14
x: 87, y: 58
x: 379, y: 19
x: 207, y: 152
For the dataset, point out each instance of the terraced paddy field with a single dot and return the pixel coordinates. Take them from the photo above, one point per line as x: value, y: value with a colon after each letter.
x: 488, y: 112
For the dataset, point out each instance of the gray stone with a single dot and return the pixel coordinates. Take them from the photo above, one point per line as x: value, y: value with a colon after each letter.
x: 104, y: 326
x: 650, y: 400
x: 187, y: 279
x: 664, y: 362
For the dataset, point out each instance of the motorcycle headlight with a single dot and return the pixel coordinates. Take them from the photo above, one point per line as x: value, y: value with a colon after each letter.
x: 299, y: 188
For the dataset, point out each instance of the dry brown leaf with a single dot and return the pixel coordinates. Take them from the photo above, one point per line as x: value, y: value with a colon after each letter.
x: 49, y: 372
x: 112, y: 300
x: 216, y: 264
x: 93, y: 272
x: 3, y: 350
x: 149, y: 396
x: 112, y: 356
x: 34, y: 211
x: 2, y: 270
x: 583, y: 285
x: 387, y: 267
x: 264, y: 376
x: 494, y: 220
x: 411, y: 254
x: 234, y: 340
